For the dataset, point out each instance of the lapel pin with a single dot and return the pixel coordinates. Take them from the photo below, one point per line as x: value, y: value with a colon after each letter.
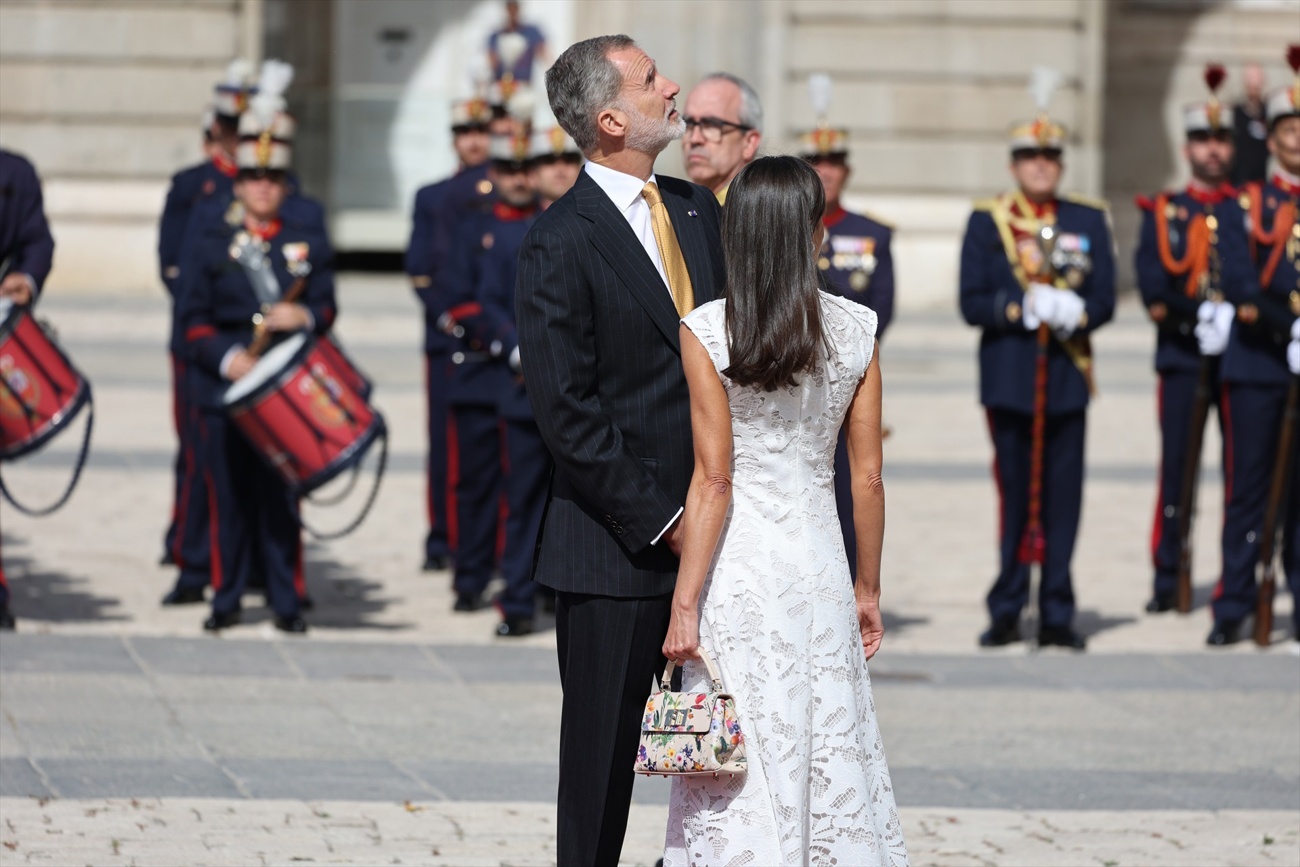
x: 692, y: 213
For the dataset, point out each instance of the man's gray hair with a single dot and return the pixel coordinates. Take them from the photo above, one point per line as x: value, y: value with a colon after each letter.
x: 582, y: 82
x: 751, y: 110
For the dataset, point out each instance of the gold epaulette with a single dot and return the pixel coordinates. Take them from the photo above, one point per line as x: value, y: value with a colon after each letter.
x: 888, y: 225
x: 985, y: 204
x: 1087, y: 201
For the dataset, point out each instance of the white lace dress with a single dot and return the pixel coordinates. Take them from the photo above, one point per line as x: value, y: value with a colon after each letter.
x: 777, y: 614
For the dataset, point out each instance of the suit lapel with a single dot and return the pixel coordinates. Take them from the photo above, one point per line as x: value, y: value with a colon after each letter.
x: 691, y: 239
x: 614, y: 240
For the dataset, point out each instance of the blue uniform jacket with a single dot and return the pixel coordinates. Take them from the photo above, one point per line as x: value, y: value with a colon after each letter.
x: 190, y: 187
x: 857, y: 259
x: 25, y: 239
x: 484, y: 265
x: 1256, y: 352
x: 992, y: 298
x: 1165, y: 294
x: 217, y: 302
x: 435, y: 222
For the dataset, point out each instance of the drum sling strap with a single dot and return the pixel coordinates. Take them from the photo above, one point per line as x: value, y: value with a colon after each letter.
x: 260, y: 274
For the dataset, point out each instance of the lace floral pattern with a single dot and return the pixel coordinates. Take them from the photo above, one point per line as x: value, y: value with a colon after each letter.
x: 777, y: 615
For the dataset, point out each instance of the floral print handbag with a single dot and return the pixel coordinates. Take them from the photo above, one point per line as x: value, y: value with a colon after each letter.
x: 690, y: 732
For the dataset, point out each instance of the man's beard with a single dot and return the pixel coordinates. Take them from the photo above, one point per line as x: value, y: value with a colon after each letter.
x: 1208, y: 172
x: 651, y: 136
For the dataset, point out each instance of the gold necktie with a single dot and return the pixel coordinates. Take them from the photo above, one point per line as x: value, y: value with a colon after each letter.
x: 679, y: 279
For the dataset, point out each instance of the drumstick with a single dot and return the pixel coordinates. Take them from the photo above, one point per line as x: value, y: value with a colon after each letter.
x: 261, y: 336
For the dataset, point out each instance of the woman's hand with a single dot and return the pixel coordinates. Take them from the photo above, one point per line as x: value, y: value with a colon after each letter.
x: 870, y: 626
x: 683, y: 641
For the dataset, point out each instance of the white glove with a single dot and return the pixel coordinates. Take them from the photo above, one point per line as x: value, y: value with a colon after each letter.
x: 1040, y: 305
x: 1069, y: 313
x: 1293, y: 349
x: 1215, y: 324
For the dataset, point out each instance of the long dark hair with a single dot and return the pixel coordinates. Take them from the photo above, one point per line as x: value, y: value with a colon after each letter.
x: 774, y: 322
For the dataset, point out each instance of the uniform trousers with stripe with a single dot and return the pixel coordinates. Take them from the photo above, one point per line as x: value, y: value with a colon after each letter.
x: 478, y: 494
x: 1253, y: 423
x: 1062, y: 503
x: 442, y: 460
x: 189, y: 536
x: 1174, y: 403
x: 610, y: 650
x: 251, y: 509
x: 527, y: 478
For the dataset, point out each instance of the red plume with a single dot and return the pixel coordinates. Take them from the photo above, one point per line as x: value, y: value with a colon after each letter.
x: 1293, y: 57
x: 1214, y: 75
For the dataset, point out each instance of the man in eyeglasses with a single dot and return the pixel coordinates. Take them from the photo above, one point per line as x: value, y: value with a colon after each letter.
x: 724, y: 128
x: 1191, y: 253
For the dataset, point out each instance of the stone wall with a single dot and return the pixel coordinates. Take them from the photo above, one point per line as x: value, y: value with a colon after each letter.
x: 105, y: 99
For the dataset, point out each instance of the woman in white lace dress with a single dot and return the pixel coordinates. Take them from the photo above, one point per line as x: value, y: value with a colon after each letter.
x: 774, y: 370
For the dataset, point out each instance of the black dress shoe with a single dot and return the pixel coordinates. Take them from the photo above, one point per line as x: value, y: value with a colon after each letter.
x: 436, y: 563
x: 468, y: 602
x: 1159, y: 604
x: 1000, y: 634
x: 217, y: 622
x: 1225, y: 632
x: 184, y: 596
x: 6, y: 618
x: 295, y: 625
x: 514, y: 627
x: 1061, y: 636
x: 167, y: 559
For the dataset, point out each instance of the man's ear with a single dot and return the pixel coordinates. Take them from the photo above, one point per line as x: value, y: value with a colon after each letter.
x: 612, y: 122
x: 753, y: 140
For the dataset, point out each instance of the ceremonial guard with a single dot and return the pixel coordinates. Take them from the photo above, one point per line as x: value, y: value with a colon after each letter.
x: 433, y: 225
x: 1261, y: 374
x: 1037, y: 276
x: 1191, y: 253
x: 26, y: 254
x: 485, y: 395
x: 256, y: 273
x: 186, y: 541
x: 855, y: 259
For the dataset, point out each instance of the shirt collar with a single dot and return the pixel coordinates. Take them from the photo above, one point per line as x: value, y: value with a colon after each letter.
x: 1285, y: 181
x: 623, y: 189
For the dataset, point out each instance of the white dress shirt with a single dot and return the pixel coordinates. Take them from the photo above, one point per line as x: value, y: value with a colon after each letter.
x: 625, y: 192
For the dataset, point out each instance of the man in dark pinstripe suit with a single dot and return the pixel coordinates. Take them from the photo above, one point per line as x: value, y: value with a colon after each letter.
x: 598, y: 306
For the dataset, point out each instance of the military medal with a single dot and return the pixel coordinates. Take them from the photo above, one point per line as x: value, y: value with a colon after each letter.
x: 823, y: 263
x: 858, y: 280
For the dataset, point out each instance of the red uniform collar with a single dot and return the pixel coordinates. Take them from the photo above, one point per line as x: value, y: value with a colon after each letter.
x: 263, y: 231
x: 1287, y: 183
x: 224, y: 164
x: 1207, y: 195
x: 1036, y: 210
x: 508, y: 213
x: 833, y: 218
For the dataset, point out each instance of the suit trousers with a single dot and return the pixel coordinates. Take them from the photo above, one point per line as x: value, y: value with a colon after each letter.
x: 1062, y: 503
x: 252, y: 509
x: 1174, y: 402
x: 1253, y: 422
x: 442, y: 460
x: 610, y: 650
x: 527, y: 477
x: 478, y: 494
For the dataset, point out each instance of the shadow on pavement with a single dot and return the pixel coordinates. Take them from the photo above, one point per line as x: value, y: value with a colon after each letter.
x: 54, y: 597
x: 896, y: 623
x: 1090, y: 623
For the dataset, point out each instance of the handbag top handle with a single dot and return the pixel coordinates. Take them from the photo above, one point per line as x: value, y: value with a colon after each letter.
x: 667, y: 678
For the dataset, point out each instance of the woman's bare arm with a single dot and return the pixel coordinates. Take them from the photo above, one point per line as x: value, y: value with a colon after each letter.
x: 866, y: 465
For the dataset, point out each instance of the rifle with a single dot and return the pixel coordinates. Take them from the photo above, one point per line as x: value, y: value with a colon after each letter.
x: 261, y: 336
x: 1191, y: 477
x: 1277, y: 494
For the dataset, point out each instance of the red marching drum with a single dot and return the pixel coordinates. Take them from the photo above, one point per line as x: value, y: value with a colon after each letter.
x: 41, y: 392
x: 304, y: 408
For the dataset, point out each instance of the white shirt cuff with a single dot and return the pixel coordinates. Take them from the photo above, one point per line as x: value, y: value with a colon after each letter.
x: 226, y: 359
x: 655, y: 540
x: 517, y: 368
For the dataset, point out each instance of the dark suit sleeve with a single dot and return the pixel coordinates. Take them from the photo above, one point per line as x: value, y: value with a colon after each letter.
x: 319, y: 297
x: 557, y: 345
x: 34, y: 250
x: 883, y: 280
x: 172, y: 230
x: 1099, y: 298
x: 984, y: 297
x: 419, y: 252
x: 205, y: 345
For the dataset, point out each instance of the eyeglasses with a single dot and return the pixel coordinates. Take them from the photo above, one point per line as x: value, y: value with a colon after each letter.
x: 1049, y: 154
x: 713, y: 128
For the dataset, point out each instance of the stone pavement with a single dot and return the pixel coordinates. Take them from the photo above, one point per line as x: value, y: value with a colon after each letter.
x: 398, y: 733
